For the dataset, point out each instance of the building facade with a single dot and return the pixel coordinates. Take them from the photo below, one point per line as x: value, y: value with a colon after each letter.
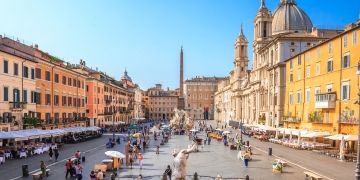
x: 161, y: 103
x: 322, y: 85
x: 258, y: 94
x: 199, y: 97
x: 18, y: 86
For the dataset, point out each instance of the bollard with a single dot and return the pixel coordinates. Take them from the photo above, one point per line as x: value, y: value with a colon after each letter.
x: 247, y: 143
x: 196, y: 176
x: 112, y: 177
x: 25, y: 170
x: 83, y: 158
x: 247, y: 177
x: 270, y: 151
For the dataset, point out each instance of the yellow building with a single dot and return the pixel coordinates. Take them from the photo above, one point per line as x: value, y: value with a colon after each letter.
x: 322, y: 85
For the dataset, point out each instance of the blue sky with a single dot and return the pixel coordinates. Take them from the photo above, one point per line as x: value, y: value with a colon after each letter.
x: 145, y: 36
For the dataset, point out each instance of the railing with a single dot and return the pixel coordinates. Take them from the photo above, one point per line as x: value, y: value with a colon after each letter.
x: 108, y: 101
x: 349, y: 121
x: 14, y: 106
x: 325, y: 100
x: 292, y: 119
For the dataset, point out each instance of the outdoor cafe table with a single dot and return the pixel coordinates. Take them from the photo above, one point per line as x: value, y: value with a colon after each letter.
x: 2, y: 160
x: 23, y: 154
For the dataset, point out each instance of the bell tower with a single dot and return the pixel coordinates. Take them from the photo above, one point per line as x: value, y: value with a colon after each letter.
x: 241, y: 55
x: 262, y: 29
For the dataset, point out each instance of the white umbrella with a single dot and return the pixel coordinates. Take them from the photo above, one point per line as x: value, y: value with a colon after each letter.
x: 194, y: 130
x: 226, y: 132
x: 340, y: 136
x: 342, y: 147
x: 115, y: 154
x: 316, y: 134
x: 218, y: 129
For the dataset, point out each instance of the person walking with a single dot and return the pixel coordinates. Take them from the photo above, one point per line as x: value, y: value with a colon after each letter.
x: 157, y: 149
x: 92, y: 175
x: 78, y: 155
x: 50, y: 153
x: 141, y: 159
x: 209, y: 140
x: 246, y: 158
x: 43, y: 169
x: 168, y: 172
x: 100, y: 175
x: 69, y: 167
x: 131, y: 160
x: 78, y: 169
x: 56, y: 152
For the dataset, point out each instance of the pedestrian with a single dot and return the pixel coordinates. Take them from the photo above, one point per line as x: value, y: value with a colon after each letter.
x: 92, y: 175
x: 43, y: 169
x: 56, y: 152
x: 209, y: 140
x: 78, y: 169
x: 157, y: 149
x: 141, y: 159
x: 168, y: 172
x: 100, y: 175
x: 131, y: 160
x: 69, y: 167
x: 246, y: 158
x: 140, y: 177
x: 78, y: 155
x: 50, y: 153
x: 144, y: 145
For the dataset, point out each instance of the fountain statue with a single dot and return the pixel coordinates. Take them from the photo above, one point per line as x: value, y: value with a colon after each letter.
x: 181, y: 120
x: 180, y: 162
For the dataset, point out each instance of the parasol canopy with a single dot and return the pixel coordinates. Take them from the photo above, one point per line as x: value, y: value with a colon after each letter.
x: 226, y: 132
x: 137, y: 135
x: 115, y: 154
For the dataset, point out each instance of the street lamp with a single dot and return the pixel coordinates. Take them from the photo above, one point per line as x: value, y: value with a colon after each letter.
x: 357, y: 171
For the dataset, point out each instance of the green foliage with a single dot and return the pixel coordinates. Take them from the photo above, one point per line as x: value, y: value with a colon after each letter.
x: 33, y: 121
x: 315, y: 116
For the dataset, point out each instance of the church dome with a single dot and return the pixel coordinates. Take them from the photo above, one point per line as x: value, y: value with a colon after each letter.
x: 288, y: 17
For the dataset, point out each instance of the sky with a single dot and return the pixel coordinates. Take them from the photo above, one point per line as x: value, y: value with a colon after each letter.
x: 145, y: 36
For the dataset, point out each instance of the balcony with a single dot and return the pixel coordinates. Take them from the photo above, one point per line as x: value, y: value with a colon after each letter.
x: 17, y: 106
x: 325, y: 100
x: 108, y: 101
x: 291, y: 119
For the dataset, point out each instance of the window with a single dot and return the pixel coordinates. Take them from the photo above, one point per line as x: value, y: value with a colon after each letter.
x: 33, y: 97
x: 69, y: 81
x: 87, y: 88
x: 318, y: 51
x: 345, y: 41
x: 56, y: 100
x: 308, y: 71
x: 330, y: 48
x: 78, y: 84
x: 57, y: 78
x: 317, y: 90
x: 69, y: 101
x: 329, y: 88
x: 63, y: 100
x: 345, y: 90
x: 64, y: 80
x: 299, y: 60
x: 26, y: 72
x: 6, y: 66
x: 346, y: 61
x: 38, y: 98
x: 330, y: 65
x: 74, y: 82
x: 16, y: 69
x: 307, y: 95
x: 25, y: 96
x: 47, y: 76
x: 291, y: 78
x: 47, y: 99
x: 298, y: 75
x: 291, y: 64
x: 327, y: 117
x: 290, y: 98
x: 298, y: 97
x: 32, y: 73
x: 38, y: 73
x: 6, y: 94
x: 354, y: 37
x: 317, y: 69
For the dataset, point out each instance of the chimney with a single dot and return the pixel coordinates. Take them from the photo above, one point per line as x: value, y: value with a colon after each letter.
x: 36, y: 46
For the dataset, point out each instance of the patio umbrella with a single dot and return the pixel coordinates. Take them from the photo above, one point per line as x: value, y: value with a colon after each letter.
x: 137, y: 135
x: 316, y: 134
x: 133, y: 126
x: 193, y: 130
x: 342, y: 148
x: 226, y: 132
x: 115, y: 154
x: 218, y: 129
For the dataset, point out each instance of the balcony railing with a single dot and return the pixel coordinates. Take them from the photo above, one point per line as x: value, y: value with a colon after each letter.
x: 291, y: 119
x: 349, y: 121
x: 325, y: 100
x: 17, y: 106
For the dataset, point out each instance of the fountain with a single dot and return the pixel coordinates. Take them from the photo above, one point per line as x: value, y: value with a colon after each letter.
x: 181, y: 121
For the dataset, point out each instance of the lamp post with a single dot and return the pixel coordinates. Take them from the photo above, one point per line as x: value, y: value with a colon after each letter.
x: 357, y: 171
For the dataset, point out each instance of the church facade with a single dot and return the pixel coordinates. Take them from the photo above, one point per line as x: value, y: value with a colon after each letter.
x: 258, y: 95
